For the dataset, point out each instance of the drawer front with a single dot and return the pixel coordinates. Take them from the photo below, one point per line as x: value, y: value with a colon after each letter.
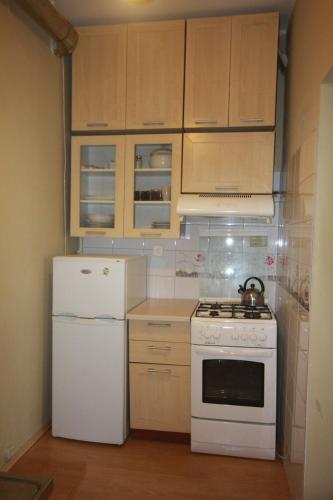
x: 143, y: 351
x: 164, y: 331
x: 160, y: 397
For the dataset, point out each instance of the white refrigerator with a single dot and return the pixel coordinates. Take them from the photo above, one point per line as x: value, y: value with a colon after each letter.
x: 91, y: 296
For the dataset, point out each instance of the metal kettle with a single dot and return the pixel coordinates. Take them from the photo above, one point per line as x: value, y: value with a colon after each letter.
x: 252, y: 296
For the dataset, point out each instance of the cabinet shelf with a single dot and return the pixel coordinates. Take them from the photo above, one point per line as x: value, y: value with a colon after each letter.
x: 99, y: 170
x: 99, y: 201
x: 151, y: 170
x: 150, y: 202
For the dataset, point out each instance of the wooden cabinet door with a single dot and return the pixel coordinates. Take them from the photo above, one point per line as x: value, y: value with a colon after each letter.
x: 240, y: 162
x: 99, y: 78
x: 97, y: 186
x: 254, y: 49
x: 207, y: 72
x: 155, y: 75
x: 160, y: 397
x: 147, y: 213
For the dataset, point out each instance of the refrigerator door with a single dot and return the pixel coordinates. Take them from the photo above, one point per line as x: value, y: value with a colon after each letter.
x: 89, y: 287
x: 89, y: 380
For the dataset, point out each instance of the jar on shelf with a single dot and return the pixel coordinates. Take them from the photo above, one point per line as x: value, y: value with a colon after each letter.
x: 138, y: 161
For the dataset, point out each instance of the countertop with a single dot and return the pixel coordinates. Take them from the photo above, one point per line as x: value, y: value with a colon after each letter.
x: 164, y: 310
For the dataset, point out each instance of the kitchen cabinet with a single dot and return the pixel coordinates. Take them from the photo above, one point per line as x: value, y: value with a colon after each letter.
x: 231, y: 70
x: 153, y: 170
x: 155, y: 75
x: 99, y: 78
x: 97, y: 186
x: 240, y: 162
x: 208, y: 43
x: 160, y: 359
x: 253, y: 73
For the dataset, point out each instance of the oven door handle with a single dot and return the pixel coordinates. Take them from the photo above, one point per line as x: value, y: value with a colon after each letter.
x: 230, y: 352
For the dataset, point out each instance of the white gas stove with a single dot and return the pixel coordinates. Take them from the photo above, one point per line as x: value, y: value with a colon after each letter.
x: 233, y: 379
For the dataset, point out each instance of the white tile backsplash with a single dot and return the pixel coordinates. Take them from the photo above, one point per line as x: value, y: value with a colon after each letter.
x: 212, y: 256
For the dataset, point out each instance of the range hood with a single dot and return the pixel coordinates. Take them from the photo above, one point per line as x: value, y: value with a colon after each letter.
x: 226, y: 205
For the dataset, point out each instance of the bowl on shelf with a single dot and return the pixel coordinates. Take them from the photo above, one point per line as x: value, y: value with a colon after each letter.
x: 160, y: 158
x: 100, y: 218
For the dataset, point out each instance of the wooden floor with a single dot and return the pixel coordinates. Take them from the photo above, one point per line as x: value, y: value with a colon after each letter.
x: 150, y: 470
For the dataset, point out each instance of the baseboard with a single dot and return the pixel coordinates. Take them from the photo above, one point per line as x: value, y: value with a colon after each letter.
x: 24, y: 448
x: 171, y: 437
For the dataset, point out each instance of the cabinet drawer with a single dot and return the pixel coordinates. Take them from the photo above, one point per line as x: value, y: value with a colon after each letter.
x: 156, y: 330
x: 160, y: 397
x: 143, y: 351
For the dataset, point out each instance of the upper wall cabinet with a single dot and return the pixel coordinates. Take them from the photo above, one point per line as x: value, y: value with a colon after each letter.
x: 155, y: 75
x: 99, y: 78
x: 228, y: 162
x: 207, y: 72
x: 253, y: 70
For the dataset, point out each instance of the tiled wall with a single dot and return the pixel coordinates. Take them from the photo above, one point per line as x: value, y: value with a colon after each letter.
x: 292, y: 306
x: 212, y: 257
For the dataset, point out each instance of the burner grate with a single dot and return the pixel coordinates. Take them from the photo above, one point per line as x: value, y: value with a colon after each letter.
x: 231, y: 310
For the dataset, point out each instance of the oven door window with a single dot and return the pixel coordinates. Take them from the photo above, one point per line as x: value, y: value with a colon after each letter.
x: 233, y: 382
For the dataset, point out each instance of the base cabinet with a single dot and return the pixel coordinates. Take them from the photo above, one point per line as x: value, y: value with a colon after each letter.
x: 160, y: 376
x: 160, y: 397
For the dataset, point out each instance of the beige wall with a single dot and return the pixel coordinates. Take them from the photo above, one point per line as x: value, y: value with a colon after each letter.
x: 31, y: 201
x: 303, y: 246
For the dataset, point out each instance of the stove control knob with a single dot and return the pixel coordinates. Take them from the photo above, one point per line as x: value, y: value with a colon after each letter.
x: 244, y: 336
x: 253, y: 337
x: 262, y: 336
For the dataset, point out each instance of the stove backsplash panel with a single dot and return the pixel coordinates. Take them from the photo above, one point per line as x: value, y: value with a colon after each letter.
x: 212, y: 257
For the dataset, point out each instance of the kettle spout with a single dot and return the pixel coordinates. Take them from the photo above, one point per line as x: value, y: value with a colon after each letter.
x: 241, y: 289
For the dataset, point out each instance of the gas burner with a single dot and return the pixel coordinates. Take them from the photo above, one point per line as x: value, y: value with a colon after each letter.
x: 229, y: 310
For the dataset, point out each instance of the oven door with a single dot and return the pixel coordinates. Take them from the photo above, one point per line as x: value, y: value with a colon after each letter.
x: 234, y: 383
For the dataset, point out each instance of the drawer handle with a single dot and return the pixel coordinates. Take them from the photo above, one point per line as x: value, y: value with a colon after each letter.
x: 156, y: 323
x: 95, y: 233
x: 154, y: 348
x: 97, y: 124
x: 227, y: 188
x: 151, y: 235
x: 153, y: 122
x: 249, y: 120
x: 153, y: 370
x: 205, y: 121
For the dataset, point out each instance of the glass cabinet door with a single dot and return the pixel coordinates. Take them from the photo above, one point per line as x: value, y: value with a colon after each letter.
x: 152, y: 185
x: 97, y: 186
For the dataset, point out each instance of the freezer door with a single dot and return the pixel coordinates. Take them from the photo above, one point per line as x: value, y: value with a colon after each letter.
x: 89, y: 380
x: 89, y: 288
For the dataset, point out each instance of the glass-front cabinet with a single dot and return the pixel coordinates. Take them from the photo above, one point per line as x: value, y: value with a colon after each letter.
x: 97, y: 191
x: 153, y: 167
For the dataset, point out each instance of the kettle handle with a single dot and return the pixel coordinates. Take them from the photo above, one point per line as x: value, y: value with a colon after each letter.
x: 258, y: 279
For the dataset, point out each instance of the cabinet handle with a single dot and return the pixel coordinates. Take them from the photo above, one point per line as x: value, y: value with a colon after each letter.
x: 153, y: 370
x: 151, y: 235
x: 227, y: 188
x: 156, y: 323
x: 249, y: 120
x: 156, y: 122
x: 205, y: 121
x: 97, y: 124
x: 154, y: 348
x: 96, y: 233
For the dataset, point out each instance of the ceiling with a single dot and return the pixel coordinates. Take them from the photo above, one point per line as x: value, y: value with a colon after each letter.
x: 84, y: 12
